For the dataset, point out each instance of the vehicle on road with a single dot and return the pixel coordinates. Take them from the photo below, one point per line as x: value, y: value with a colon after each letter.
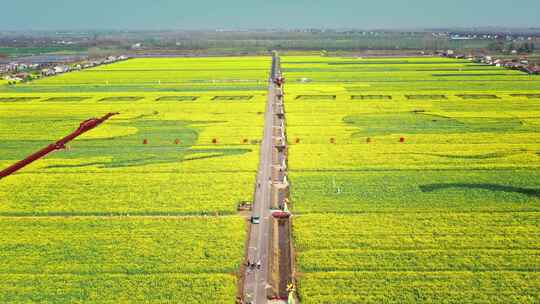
x: 282, y: 213
x: 255, y: 220
x: 244, y: 206
x: 279, y: 214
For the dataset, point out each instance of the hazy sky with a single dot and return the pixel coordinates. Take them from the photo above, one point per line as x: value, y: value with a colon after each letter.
x: 206, y: 14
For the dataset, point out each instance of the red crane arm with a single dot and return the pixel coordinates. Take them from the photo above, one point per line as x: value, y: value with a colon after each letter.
x: 84, y: 127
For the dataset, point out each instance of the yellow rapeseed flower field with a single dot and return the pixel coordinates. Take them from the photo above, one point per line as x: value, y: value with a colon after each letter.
x: 146, y: 203
x: 414, y: 180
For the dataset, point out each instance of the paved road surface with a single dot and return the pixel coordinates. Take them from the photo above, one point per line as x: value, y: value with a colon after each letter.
x: 259, y: 240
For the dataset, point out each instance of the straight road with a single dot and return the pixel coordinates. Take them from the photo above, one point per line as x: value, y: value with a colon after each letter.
x: 256, y: 280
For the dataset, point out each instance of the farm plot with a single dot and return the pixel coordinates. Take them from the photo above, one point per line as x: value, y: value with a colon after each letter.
x: 18, y: 99
x: 177, y: 98
x: 414, y: 200
x: 162, y: 75
x: 100, y: 260
x: 141, y: 209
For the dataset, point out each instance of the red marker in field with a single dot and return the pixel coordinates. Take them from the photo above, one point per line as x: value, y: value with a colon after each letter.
x: 145, y: 141
x: 402, y: 139
x: 177, y: 141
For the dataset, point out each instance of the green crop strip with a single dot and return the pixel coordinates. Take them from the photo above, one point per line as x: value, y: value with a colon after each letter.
x: 424, y: 123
